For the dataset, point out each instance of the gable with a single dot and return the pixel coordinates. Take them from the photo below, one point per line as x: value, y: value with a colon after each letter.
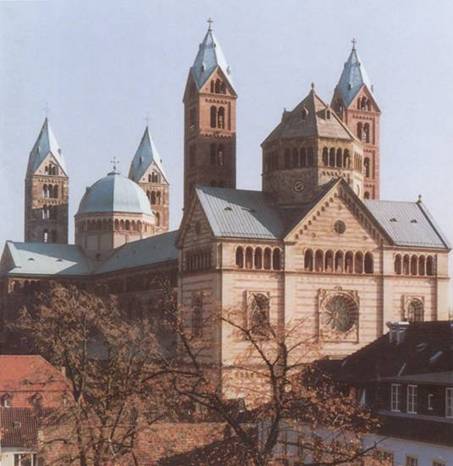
x: 339, y: 209
x: 364, y: 92
x: 49, y: 159
x: 153, y: 167
x: 217, y: 74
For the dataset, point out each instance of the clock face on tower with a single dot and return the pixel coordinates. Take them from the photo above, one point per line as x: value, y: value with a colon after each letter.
x: 298, y: 186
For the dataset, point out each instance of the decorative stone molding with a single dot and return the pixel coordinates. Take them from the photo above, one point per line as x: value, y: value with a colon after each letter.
x: 338, y: 315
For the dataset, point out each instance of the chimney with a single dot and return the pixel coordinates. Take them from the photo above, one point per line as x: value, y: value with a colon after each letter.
x: 397, y: 331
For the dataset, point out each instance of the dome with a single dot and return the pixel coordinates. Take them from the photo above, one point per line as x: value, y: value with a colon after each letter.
x: 115, y: 193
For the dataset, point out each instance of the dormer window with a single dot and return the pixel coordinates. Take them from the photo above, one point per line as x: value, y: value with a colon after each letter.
x: 304, y: 113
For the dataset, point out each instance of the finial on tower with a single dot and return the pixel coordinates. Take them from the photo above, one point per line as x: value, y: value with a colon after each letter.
x: 46, y: 110
x: 354, y: 42
x: 147, y: 120
x: 419, y: 199
x: 115, y: 163
x: 210, y: 21
x: 312, y: 86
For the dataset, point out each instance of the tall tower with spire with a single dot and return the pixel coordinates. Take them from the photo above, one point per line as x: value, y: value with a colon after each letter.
x: 46, y: 191
x: 147, y: 170
x: 355, y: 103
x: 209, y: 120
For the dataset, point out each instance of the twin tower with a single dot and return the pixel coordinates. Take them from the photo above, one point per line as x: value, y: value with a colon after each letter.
x: 312, y: 144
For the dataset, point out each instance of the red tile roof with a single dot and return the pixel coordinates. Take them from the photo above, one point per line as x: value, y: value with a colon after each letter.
x: 29, y: 373
x: 18, y: 428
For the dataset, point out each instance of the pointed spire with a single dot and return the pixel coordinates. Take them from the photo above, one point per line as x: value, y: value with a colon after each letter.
x: 145, y: 155
x: 209, y: 57
x: 353, y: 77
x: 46, y: 143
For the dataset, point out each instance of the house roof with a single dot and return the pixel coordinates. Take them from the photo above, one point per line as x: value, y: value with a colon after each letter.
x: 426, y: 348
x: 153, y: 250
x: 36, y: 258
x: 310, y: 118
x: 238, y: 213
x: 30, y: 373
x: 115, y: 193
x: 45, y: 144
x: 145, y: 156
x: 407, y: 223
x: 352, y: 78
x: 209, y: 57
x: 430, y: 378
x: 19, y: 428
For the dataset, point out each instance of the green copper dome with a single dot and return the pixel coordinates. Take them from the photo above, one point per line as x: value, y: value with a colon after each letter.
x: 114, y: 193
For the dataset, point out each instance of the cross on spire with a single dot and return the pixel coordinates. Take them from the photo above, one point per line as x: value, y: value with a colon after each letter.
x: 354, y: 41
x: 210, y: 21
x: 115, y: 162
x: 147, y: 119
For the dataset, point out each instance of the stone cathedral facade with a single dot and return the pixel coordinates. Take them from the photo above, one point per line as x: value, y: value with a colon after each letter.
x: 315, y: 244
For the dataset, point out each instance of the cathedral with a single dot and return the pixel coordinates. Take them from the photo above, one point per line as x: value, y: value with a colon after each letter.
x: 314, y: 245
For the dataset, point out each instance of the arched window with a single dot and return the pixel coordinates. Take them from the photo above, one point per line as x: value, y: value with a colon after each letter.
x: 366, y: 132
x: 258, y: 258
x: 197, y: 316
x: 212, y: 86
x: 117, y: 224
x: 349, y: 262
x: 359, y: 130
x: 347, y: 159
x: 358, y: 262
x: 421, y: 265
x: 325, y: 156
x: 220, y: 158
x: 366, y: 195
x: 296, y: 157
x: 430, y: 265
x: 240, y: 257
x: 359, y: 102
x: 339, y: 262
x: 310, y: 157
x: 45, y: 212
x: 45, y: 236
x: 332, y: 157
x: 158, y: 197
x: 308, y: 260
x: 406, y: 263
x: 415, y: 311
x: 221, y: 117
x: 319, y: 260
x: 213, y: 116
x: 303, y: 157
x: 366, y: 164
x: 157, y: 216
x: 128, y: 225
x: 267, y: 258
x: 218, y: 86
x: 153, y: 197
x: 369, y: 263
x: 414, y: 263
x: 276, y: 259
x: 398, y: 264
x: 328, y: 261
x: 249, y: 258
x: 212, y: 153
x: 45, y: 191
x: 339, y: 158
x: 55, y: 191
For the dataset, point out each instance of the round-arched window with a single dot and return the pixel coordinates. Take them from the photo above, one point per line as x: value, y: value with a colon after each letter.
x: 341, y: 313
x: 415, y: 311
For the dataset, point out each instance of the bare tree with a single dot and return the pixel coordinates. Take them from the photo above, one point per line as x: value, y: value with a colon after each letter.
x: 110, y: 365
x: 275, y: 401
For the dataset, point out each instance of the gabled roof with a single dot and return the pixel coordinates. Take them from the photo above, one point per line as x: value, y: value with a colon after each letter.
x: 45, y: 144
x: 426, y: 348
x: 238, y: 213
x: 407, y: 223
x: 37, y: 258
x: 310, y: 118
x: 145, y: 155
x: 30, y: 373
x: 353, y: 77
x: 209, y: 57
x: 19, y: 428
x: 153, y: 250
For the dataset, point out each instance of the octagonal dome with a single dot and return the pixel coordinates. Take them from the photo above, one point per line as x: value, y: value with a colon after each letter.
x: 115, y: 193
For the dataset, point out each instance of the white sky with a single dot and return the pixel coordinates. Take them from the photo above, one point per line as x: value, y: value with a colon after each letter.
x: 101, y: 66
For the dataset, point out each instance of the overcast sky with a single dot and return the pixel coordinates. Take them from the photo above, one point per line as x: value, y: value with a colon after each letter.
x: 102, y: 66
